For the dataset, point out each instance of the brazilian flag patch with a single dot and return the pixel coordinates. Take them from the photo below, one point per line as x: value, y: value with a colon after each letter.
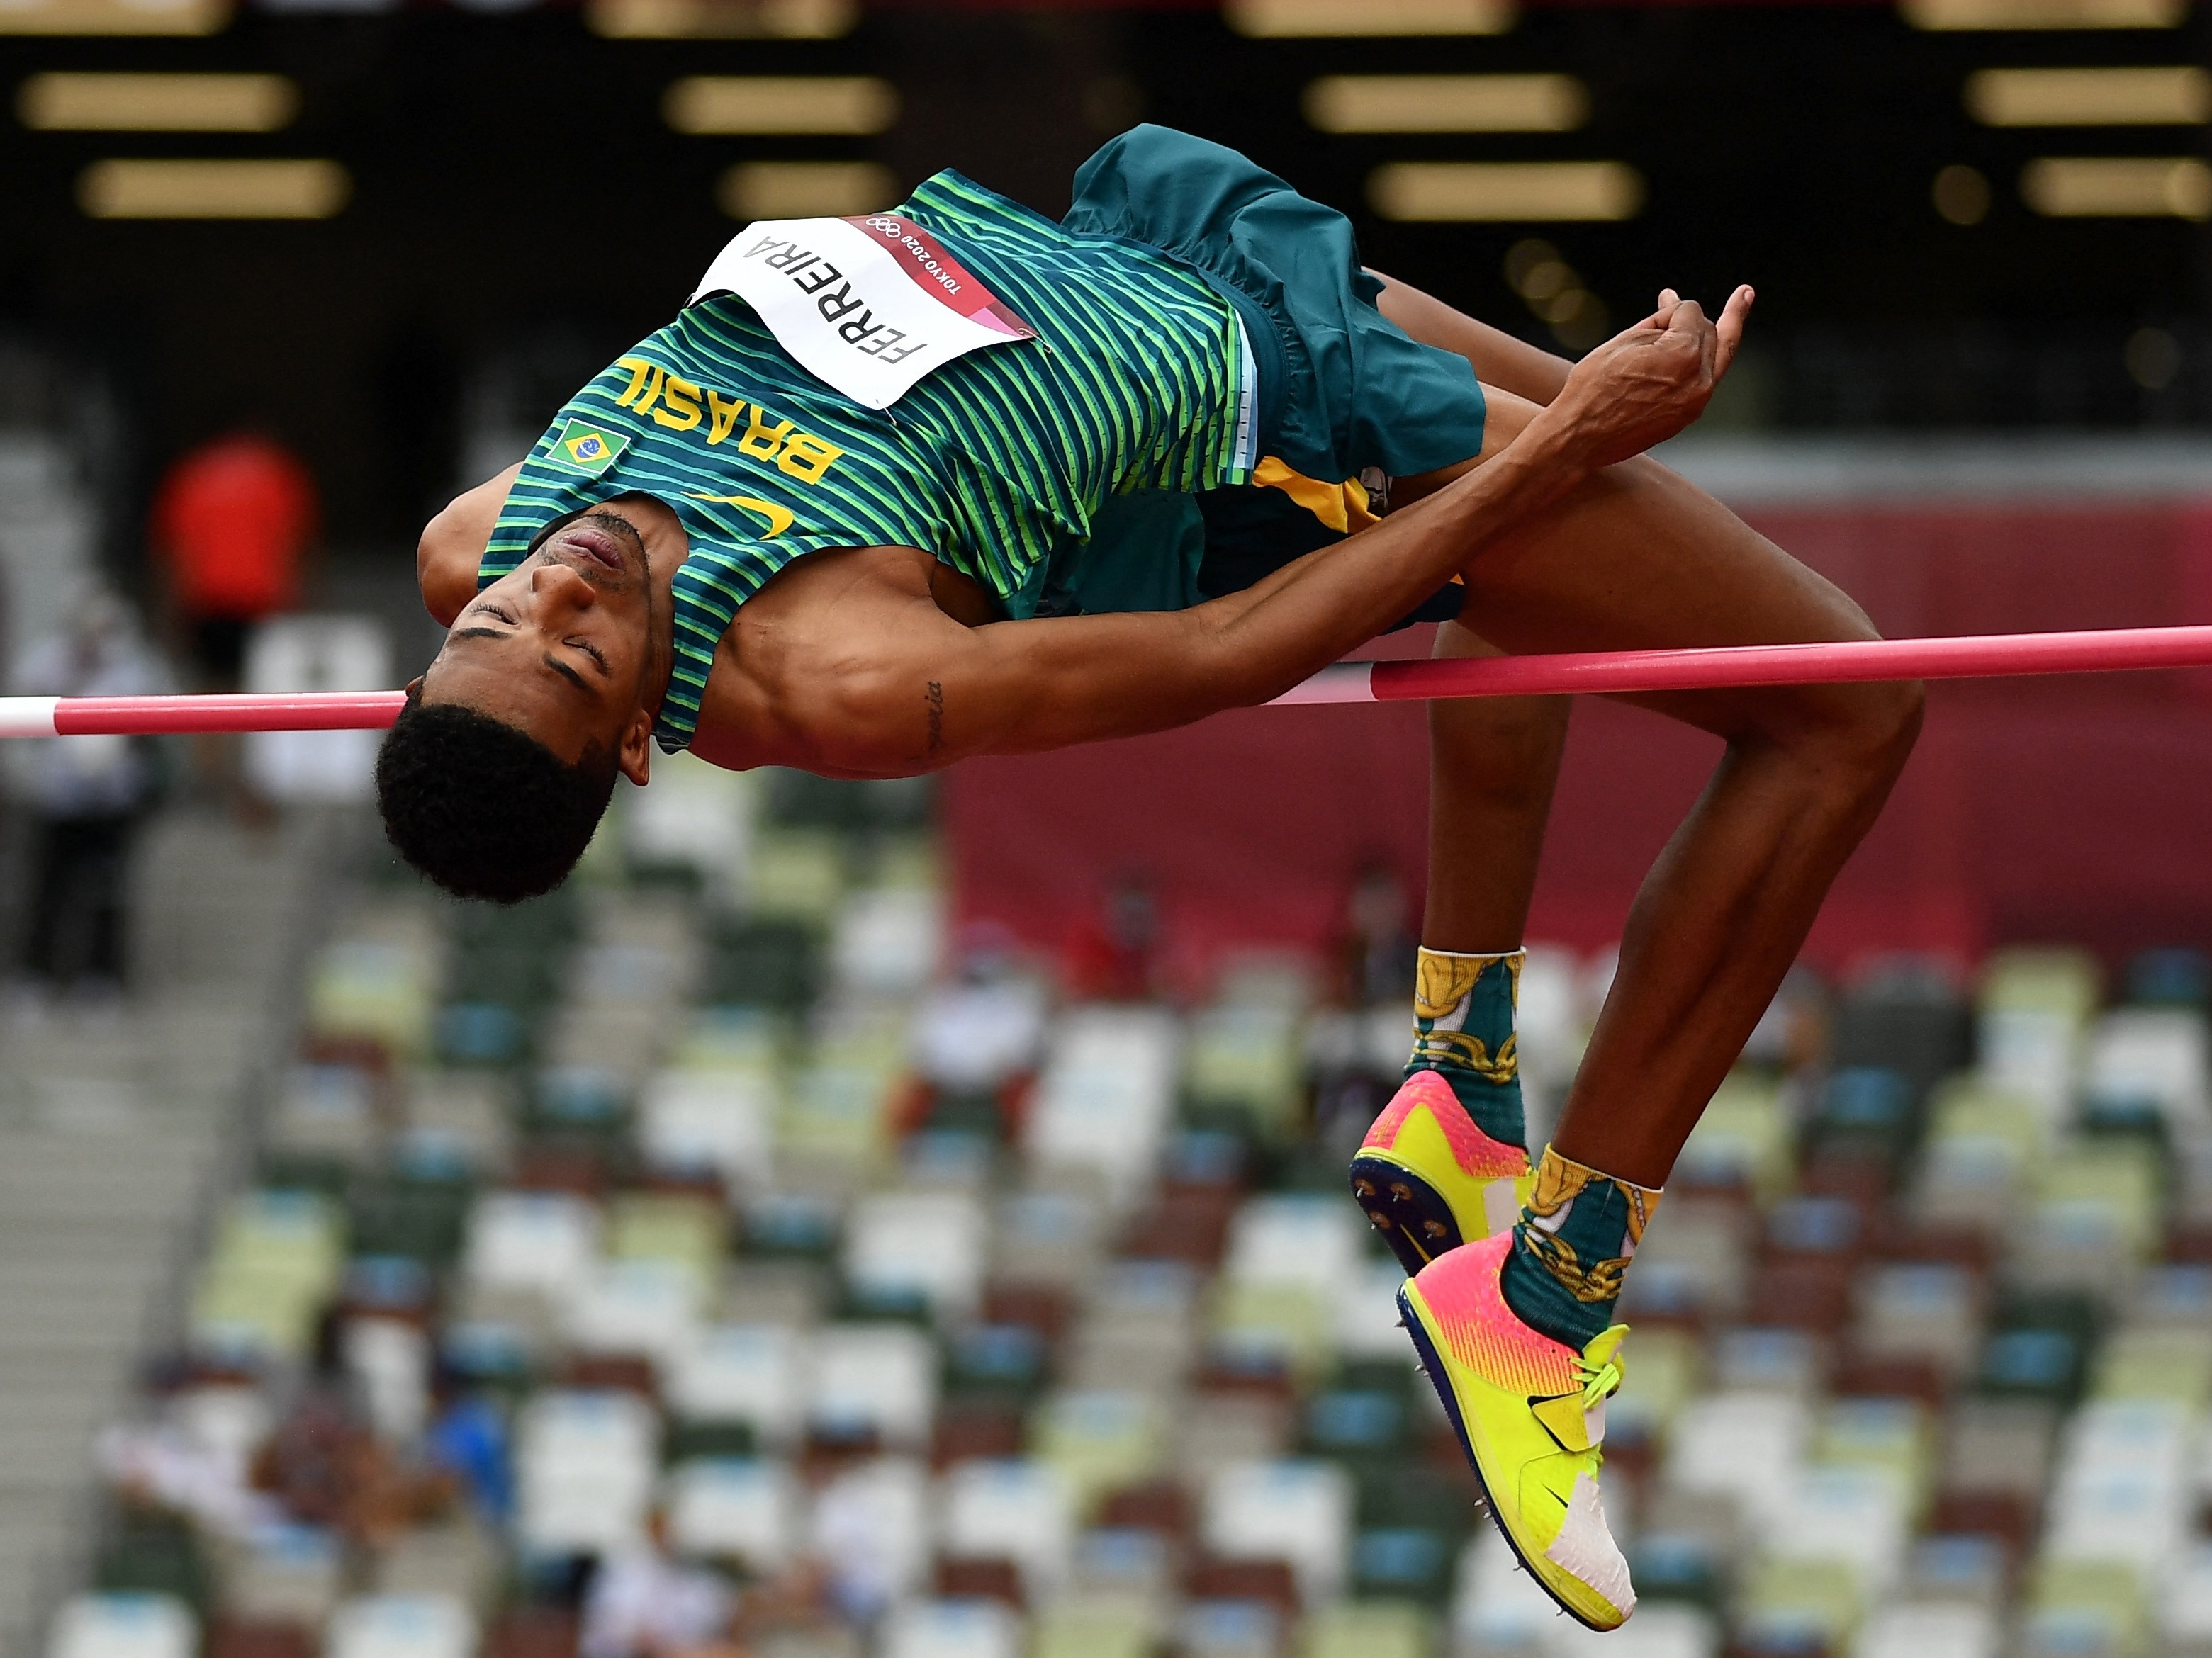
x: 584, y: 447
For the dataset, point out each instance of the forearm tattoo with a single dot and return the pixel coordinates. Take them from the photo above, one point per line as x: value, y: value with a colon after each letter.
x: 935, y: 698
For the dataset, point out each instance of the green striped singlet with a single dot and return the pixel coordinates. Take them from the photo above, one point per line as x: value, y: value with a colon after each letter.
x: 989, y: 463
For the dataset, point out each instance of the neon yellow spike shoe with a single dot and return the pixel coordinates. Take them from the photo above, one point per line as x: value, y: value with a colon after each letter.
x: 1530, y: 1415
x: 1429, y: 1180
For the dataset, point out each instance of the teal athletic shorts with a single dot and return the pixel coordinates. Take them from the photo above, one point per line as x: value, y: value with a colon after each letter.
x: 1342, y: 389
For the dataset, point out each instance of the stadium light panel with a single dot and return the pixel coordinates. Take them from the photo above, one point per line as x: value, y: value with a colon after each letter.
x: 797, y: 189
x: 721, y: 20
x: 1997, y: 15
x: 213, y: 190
x: 819, y: 105
x: 2177, y: 96
x: 1447, y: 103
x: 66, y: 17
x: 157, y: 103
x: 2106, y: 187
x: 1505, y: 192
x: 1291, y: 19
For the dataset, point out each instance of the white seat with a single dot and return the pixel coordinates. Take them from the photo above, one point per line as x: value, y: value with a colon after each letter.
x: 927, y: 1243
x: 720, y: 1120
x: 747, y: 1373
x: 874, y: 1377
x: 2161, y: 1054
x: 643, y: 1306
x: 401, y: 1626
x: 1937, y: 1630
x: 1017, y: 1508
x: 584, y: 1470
x: 871, y: 1527
x: 1858, y: 1517
x: 545, y: 1241
x: 691, y: 815
x: 1496, y: 1605
x: 1549, y: 1024
x: 951, y: 1628
x: 124, y: 1625
x: 2182, y: 1605
x: 1365, y: 1315
x: 743, y: 1508
x: 316, y: 653
x: 1103, y: 1099
x: 1745, y: 1445
x: 1659, y: 1630
x: 887, y: 940
x: 1305, y: 1238
x: 1295, y: 1511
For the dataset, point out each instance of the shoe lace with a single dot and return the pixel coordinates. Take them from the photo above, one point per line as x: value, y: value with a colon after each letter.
x: 1599, y: 1380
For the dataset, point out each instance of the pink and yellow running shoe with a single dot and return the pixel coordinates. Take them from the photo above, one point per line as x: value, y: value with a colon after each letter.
x: 1529, y: 1412
x: 1430, y: 1180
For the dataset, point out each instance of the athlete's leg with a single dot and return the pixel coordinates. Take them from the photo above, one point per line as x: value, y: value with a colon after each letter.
x: 1638, y: 559
x: 1516, y: 1330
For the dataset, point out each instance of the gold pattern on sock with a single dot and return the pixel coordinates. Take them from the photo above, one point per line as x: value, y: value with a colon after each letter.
x: 1601, y: 1280
x: 1469, y: 1053
x: 1443, y: 980
x: 1559, y: 1181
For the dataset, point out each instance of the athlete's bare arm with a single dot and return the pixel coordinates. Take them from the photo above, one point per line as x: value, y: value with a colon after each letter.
x: 846, y: 663
x: 453, y: 543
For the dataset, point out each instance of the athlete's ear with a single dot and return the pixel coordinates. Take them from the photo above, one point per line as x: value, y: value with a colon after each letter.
x: 636, y: 759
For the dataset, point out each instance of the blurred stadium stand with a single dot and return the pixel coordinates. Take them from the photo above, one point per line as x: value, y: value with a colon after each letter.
x: 731, y: 1204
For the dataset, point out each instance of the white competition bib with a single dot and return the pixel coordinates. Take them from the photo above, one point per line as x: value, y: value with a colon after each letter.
x: 869, y: 304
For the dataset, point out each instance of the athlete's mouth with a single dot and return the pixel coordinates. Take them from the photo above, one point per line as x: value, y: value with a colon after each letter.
x: 596, y: 545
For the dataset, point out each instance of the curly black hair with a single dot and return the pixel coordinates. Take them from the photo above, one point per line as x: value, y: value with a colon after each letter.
x: 482, y: 809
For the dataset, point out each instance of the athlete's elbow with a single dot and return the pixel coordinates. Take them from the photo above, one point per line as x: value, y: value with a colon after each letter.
x: 445, y: 568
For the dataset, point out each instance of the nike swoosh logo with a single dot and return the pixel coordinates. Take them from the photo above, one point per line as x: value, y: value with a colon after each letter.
x: 779, y: 519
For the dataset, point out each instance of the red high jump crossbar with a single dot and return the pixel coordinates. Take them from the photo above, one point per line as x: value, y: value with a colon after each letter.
x: 1590, y: 672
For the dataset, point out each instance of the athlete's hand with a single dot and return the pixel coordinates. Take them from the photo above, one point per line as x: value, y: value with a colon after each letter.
x: 1649, y: 382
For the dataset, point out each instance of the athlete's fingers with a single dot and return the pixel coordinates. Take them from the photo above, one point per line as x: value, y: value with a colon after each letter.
x: 1728, y: 331
x: 1667, y: 301
x: 1688, y: 322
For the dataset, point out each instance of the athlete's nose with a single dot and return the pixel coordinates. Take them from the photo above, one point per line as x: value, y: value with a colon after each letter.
x: 562, y: 588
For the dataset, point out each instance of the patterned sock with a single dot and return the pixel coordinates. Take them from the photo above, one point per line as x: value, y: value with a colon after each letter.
x: 1571, y: 1247
x: 1463, y: 1031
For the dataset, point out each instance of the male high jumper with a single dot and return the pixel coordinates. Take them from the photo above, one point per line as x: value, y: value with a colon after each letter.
x: 1058, y: 482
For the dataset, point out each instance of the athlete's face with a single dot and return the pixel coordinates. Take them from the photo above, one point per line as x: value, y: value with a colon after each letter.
x: 570, y: 646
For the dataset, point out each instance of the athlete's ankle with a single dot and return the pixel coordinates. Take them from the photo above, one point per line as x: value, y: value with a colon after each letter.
x: 1571, y: 1247
x: 1463, y: 1008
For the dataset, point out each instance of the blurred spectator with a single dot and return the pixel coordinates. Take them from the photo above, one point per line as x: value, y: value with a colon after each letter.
x: 1115, y: 956
x: 643, y: 1604
x: 328, y: 1470
x: 1377, y: 950
x: 230, y: 522
x: 86, y: 794
x: 468, y: 1440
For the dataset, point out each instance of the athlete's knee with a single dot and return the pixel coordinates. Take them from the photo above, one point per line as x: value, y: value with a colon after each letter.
x: 1859, y: 740
x: 1883, y: 722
